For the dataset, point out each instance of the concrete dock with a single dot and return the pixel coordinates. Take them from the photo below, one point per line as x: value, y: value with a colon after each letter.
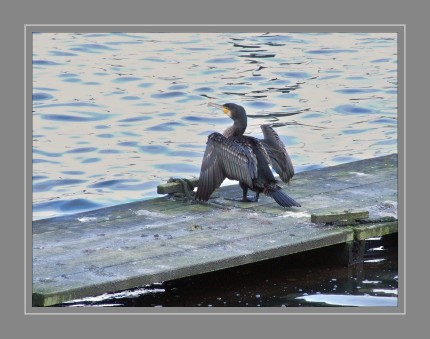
x: 136, y: 244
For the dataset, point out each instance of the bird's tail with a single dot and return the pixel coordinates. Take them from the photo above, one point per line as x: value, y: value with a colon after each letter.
x: 282, y: 198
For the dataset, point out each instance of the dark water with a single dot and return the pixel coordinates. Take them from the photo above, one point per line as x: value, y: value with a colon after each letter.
x: 301, y: 280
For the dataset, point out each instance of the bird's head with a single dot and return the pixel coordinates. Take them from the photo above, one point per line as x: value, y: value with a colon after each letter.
x: 235, y: 112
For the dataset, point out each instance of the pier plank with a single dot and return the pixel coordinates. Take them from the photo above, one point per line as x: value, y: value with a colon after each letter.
x: 139, y: 243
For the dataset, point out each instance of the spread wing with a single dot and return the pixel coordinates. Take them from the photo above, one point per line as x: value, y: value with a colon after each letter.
x: 224, y: 158
x: 279, y: 158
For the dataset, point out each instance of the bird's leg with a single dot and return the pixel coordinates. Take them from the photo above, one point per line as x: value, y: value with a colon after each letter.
x: 245, y: 194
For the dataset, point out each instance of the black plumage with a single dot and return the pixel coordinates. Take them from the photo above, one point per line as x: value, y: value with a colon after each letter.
x: 236, y: 156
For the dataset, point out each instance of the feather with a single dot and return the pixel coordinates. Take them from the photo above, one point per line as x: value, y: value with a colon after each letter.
x: 224, y: 158
x: 279, y: 158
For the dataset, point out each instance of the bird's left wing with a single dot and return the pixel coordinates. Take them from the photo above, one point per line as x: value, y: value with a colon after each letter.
x: 279, y: 158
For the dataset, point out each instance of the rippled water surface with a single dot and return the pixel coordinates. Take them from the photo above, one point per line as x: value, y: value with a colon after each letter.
x: 114, y: 115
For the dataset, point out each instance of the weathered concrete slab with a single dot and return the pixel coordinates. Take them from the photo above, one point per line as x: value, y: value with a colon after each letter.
x: 135, y: 244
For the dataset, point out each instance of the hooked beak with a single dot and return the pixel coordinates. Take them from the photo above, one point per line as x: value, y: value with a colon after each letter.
x: 221, y: 107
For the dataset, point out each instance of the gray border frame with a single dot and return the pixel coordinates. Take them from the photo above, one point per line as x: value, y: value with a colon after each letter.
x: 401, y: 34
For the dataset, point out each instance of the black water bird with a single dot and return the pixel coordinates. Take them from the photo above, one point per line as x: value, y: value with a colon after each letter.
x: 236, y: 156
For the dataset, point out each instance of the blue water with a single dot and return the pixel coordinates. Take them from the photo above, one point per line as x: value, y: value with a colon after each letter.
x: 114, y: 115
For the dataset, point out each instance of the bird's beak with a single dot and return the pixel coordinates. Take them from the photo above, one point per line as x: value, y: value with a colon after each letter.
x: 221, y: 107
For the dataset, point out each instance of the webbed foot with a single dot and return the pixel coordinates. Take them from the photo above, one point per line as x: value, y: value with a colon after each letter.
x: 244, y: 199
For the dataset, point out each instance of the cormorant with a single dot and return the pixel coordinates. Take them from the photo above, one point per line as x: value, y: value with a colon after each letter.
x: 246, y: 159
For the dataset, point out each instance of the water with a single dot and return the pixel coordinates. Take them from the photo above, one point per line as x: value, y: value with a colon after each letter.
x: 114, y: 115
x: 301, y: 280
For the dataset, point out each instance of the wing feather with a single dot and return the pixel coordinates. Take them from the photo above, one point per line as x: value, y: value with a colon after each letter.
x: 224, y: 158
x: 279, y: 157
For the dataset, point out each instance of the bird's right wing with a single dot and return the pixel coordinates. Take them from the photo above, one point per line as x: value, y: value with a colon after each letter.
x: 224, y: 158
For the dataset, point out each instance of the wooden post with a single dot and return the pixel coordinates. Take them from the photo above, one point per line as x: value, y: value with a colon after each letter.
x: 352, y: 253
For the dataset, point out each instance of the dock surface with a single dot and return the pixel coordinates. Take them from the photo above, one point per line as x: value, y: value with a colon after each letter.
x: 140, y: 243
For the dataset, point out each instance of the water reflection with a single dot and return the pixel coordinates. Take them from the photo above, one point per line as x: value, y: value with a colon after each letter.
x: 298, y: 280
x: 139, y: 98
x: 351, y: 300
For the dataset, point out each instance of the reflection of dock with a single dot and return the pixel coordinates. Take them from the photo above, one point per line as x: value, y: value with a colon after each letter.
x: 135, y: 244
